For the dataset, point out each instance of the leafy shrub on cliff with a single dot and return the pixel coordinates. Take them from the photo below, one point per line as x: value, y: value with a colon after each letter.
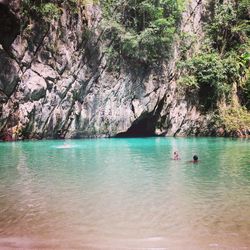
x: 142, y: 30
x: 48, y: 10
x: 208, y: 74
x: 229, y: 25
x: 233, y: 119
x: 214, y: 76
x: 224, y: 60
x: 40, y: 9
x: 245, y: 98
x: 187, y: 42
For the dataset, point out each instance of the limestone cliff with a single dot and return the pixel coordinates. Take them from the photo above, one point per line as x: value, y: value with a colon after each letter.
x: 55, y: 83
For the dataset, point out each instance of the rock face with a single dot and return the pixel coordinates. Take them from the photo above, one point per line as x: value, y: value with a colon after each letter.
x: 9, y: 27
x: 55, y: 83
x: 8, y: 74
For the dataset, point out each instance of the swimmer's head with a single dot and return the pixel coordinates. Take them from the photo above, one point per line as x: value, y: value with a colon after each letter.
x: 195, y: 158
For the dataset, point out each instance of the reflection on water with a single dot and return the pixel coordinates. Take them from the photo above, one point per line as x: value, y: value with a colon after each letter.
x: 111, y: 193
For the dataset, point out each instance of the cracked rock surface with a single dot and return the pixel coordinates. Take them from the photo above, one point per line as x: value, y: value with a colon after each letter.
x: 54, y: 83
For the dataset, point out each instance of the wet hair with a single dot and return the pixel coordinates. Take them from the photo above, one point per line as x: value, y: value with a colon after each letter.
x: 195, y: 157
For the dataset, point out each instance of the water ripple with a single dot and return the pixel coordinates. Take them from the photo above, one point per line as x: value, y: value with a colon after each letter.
x: 125, y: 194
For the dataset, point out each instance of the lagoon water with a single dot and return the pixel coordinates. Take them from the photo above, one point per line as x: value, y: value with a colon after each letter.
x: 125, y: 194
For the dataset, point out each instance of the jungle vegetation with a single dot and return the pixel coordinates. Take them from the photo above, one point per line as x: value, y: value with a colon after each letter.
x: 141, y: 32
x: 219, y: 73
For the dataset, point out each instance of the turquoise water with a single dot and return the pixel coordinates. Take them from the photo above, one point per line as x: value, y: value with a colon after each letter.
x: 125, y: 193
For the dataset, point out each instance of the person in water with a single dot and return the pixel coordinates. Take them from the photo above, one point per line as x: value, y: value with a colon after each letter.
x: 195, y: 159
x: 176, y: 156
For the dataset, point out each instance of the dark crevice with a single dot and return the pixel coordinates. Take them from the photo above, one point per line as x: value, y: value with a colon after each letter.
x: 9, y: 26
x: 154, y: 90
x: 133, y: 108
x: 145, y: 125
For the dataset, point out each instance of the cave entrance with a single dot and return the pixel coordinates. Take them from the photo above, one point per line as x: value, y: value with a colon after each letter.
x: 145, y: 125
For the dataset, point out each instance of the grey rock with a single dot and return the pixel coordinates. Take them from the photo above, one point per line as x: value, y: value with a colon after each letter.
x: 66, y: 89
x: 9, y: 70
x: 32, y: 86
x: 44, y: 71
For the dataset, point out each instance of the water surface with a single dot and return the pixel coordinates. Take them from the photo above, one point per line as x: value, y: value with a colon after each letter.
x: 125, y: 194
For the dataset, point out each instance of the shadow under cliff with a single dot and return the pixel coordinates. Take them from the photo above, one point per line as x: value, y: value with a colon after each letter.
x: 146, y: 124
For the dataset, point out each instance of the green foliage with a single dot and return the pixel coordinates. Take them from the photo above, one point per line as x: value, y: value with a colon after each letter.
x: 230, y: 26
x: 189, y: 82
x: 224, y: 59
x: 187, y: 40
x: 50, y: 10
x: 209, y: 74
x: 40, y: 10
x: 141, y: 30
x: 233, y: 119
x: 75, y: 4
x: 246, y: 91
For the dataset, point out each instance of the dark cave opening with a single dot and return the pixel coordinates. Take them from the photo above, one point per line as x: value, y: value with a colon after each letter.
x: 140, y: 128
x: 145, y: 125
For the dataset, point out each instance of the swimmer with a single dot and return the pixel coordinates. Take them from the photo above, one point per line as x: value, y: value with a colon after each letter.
x: 195, y: 159
x: 176, y: 156
x: 65, y: 145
